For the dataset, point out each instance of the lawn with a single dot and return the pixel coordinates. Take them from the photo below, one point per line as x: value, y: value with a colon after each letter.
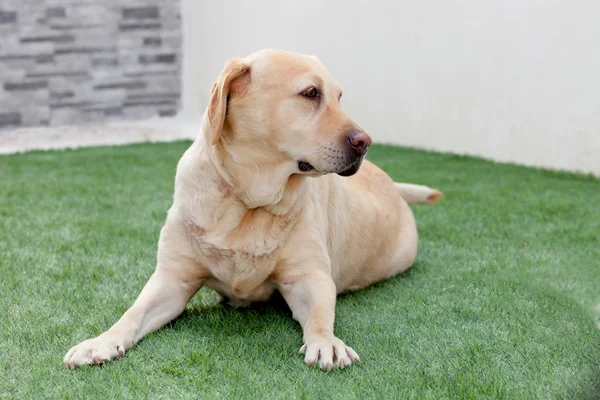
x: 502, y: 302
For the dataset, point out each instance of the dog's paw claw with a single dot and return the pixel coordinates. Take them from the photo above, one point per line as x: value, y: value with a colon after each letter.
x: 302, y: 349
x: 95, y: 351
x: 327, y: 352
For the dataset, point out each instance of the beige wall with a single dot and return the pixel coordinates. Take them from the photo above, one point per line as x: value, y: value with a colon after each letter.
x: 510, y: 80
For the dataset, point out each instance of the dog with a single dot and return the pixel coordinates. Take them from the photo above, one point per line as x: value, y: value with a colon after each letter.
x: 274, y: 195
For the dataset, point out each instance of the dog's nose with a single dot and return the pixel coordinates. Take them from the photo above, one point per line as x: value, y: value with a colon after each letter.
x: 359, y: 141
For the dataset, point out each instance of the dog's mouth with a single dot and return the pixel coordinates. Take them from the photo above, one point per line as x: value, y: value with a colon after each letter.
x: 352, y: 169
x: 305, y: 166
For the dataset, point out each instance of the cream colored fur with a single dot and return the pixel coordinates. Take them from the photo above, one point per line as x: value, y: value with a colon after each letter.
x: 246, y: 221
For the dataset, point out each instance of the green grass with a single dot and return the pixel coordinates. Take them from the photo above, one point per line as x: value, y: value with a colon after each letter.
x: 500, y: 304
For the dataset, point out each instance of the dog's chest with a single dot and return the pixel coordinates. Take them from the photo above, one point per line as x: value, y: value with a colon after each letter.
x: 240, y: 277
x: 240, y: 249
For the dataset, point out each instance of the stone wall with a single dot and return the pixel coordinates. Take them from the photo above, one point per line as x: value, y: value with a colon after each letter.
x: 79, y: 61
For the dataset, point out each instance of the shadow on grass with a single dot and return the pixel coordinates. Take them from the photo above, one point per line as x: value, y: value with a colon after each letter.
x: 222, y: 320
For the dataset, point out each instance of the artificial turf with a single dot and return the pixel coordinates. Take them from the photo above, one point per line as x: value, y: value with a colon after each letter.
x: 501, y: 303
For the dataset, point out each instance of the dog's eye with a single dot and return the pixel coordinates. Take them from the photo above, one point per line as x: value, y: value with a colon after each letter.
x: 312, y: 92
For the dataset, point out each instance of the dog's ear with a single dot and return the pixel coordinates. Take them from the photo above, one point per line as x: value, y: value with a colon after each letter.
x: 235, y: 69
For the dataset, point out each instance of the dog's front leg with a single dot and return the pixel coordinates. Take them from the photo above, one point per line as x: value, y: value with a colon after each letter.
x: 163, y: 298
x: 311, y: 297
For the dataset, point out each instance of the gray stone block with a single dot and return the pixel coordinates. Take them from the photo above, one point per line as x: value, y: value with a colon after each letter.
x: 19, y: 100
x: 141, y: 13
x: 152, y: 41
x: 92, y: 36
x: 168, y: 112
x: 36, y: 115
x: 108, y: 75
x: 105, y: 61
x: 68, y: 74
x: 151, y: 71
x: 172, y: 42
x: 121, y: 85
x: 86, y: 50
x: 13, y: 46
x: 69, y: 116
x: 85, y: 93
x: 93, y: 13
x: 68, y: 65
x: 158, y: 58
x: 10, y: 119
x: 32, y: 85
x: 140, y: 112
x: 113, y: 111
x: 10, y: 74
x: 56, y: 12
x: 101, y: 105
x: 165, y: 83
x: 144, y: 96
x: 129, y: 42
x: 151, y: 102
x: 30, y: 14
x: 44, y: 58
x: 7, y: 17
x: 61, y: 95
x: 139, y: 26
x: 70, y: 25
x: 71, y: 61
x: 170, y: 12
x: 63, y: 38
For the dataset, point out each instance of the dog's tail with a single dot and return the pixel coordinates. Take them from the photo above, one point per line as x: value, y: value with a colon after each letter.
x: 418, y: 194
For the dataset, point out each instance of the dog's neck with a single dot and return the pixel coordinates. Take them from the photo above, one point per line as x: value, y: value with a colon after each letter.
x: 270, y: 184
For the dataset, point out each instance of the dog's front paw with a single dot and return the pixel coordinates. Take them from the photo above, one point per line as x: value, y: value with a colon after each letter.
x: 99, y: 350
x: 328, y: 351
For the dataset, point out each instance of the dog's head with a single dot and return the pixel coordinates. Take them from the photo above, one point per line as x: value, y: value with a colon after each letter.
x: 284, y: 108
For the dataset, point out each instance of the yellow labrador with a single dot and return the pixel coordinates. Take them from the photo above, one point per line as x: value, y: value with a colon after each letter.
x: 270, y: 197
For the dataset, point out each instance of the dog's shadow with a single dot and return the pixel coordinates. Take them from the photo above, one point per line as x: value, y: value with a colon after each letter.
x: 219, y: 319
